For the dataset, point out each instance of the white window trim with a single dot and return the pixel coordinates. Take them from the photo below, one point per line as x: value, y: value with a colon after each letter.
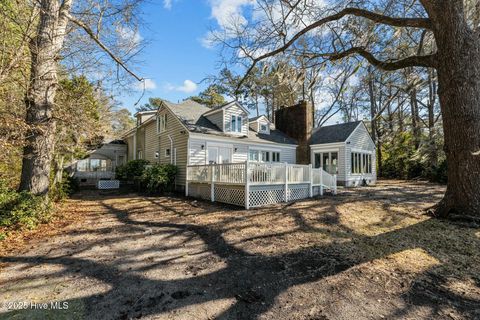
x: 161, y: 125
x: 218, y: 145
x: 236, y: 117
x: 361, y: 152
x: 270, y: 156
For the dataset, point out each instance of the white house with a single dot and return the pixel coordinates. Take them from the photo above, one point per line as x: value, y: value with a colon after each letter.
x: 222, y: 154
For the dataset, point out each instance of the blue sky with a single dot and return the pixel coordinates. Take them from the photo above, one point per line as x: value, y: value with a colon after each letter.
x: 174, y: 60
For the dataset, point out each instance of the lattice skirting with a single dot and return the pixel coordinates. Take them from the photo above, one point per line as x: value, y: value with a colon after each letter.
x: 265, y: 195
x: 230, y: 194
x: 108, y: 184
x: 199, y: 190
x: 259, y: 195
x: 297, y: 192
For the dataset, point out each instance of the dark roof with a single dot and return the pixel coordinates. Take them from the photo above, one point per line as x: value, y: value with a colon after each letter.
x: 334, y: 133
x: 190, y: 113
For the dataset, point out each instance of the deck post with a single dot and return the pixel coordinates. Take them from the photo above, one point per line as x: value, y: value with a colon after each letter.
x: 186, y: 183
x: 247, y: 185
x: 286, y: 182
x: 334, y: 184
x: 321, y: 181
x: 310, y: 175
x: 212, y: 183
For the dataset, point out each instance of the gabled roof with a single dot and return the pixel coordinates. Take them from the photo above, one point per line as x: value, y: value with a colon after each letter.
x: 258, y: 117
x: 192, y: 116
x: 224, y: 106
x: 333, y: 133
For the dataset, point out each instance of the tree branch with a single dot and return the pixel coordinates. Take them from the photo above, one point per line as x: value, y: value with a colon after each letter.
x: 92, y: 35
x: 428, y: 61
x: 422, y: 23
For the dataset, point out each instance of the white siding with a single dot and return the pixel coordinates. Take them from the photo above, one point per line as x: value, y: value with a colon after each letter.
x: 198, y: 156
x: 237, y: 111
x: 340, y: 148
x: 360, y: 140
x: 254, y: 126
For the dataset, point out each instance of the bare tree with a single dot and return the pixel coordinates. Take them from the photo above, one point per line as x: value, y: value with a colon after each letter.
x: 60, y: 21
x: 454, y: 54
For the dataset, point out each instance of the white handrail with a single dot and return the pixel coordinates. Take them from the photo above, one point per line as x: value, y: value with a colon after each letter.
x: 261, y: 174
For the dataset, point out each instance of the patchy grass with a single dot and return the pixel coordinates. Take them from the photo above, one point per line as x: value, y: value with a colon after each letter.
x: 367, y: 253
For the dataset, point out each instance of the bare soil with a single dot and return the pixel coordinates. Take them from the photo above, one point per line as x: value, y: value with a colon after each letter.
x: 368, y: 253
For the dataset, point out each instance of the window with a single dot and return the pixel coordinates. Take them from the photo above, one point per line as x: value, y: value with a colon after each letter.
x: 139, y: 154
x: 328, y: 161
x: 253, y: 155
x: 236, y: 124
x: 275, y: 156
x: 93, y: 165
x: 167, y: 152
x: 264, y: 156
x: 161, y: 123
x: 361, y: 163
x: 263, y: 128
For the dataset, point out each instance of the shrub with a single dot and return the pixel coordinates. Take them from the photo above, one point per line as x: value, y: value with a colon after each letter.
x: 133, y: 169
x: 63, y: 189
x: 159, y: 178
x: 22, y: 209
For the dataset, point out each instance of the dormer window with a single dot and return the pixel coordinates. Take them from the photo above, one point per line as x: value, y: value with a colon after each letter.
x: 236, y: 124
x: 263, y: 128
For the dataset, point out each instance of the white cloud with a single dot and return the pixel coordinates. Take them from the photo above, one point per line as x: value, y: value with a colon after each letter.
x: 227, y: 12
x: 147, y: 84
x: 167, y: 4
x: 129, y: 35
x: 188, y: 87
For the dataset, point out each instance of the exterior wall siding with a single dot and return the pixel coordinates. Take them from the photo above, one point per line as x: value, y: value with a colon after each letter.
x: 178, y: 142
x: 129, y: 141
x: 360, y: 140
x: 198, y: 156
x: 341, y: 167
x: 151, y: 145
x: 237, y: 111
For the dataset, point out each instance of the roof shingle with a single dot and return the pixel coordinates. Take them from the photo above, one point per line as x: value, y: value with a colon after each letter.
x: 333, y: 133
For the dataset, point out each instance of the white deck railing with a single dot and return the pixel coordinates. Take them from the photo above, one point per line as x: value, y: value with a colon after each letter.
x: 255, y: 175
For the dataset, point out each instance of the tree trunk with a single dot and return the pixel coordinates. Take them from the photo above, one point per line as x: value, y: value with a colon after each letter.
x: 415, y: 117
x: 459, y: 92
x: 40, y: 97
x: 432, y: 93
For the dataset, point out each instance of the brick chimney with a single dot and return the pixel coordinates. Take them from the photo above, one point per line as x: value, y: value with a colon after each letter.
x: 297, y: 122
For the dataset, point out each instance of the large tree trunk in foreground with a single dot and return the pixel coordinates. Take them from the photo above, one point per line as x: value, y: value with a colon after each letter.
x: 40, y: 98
x: 459, y: 91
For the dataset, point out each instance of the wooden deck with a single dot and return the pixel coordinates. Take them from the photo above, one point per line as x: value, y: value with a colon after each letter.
x: 251, y: 185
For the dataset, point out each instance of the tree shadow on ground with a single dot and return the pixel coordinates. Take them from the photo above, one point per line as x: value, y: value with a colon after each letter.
x: 253, y: 281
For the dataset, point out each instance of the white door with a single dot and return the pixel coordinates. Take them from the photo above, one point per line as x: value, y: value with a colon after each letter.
x: 224, y: 155
x: 212, y: 155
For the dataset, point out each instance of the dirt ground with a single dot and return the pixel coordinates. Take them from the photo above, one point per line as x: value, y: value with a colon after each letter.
x: 367, y: 253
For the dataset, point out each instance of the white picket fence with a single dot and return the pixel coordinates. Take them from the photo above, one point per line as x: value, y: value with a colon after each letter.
x: 251, y: 184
